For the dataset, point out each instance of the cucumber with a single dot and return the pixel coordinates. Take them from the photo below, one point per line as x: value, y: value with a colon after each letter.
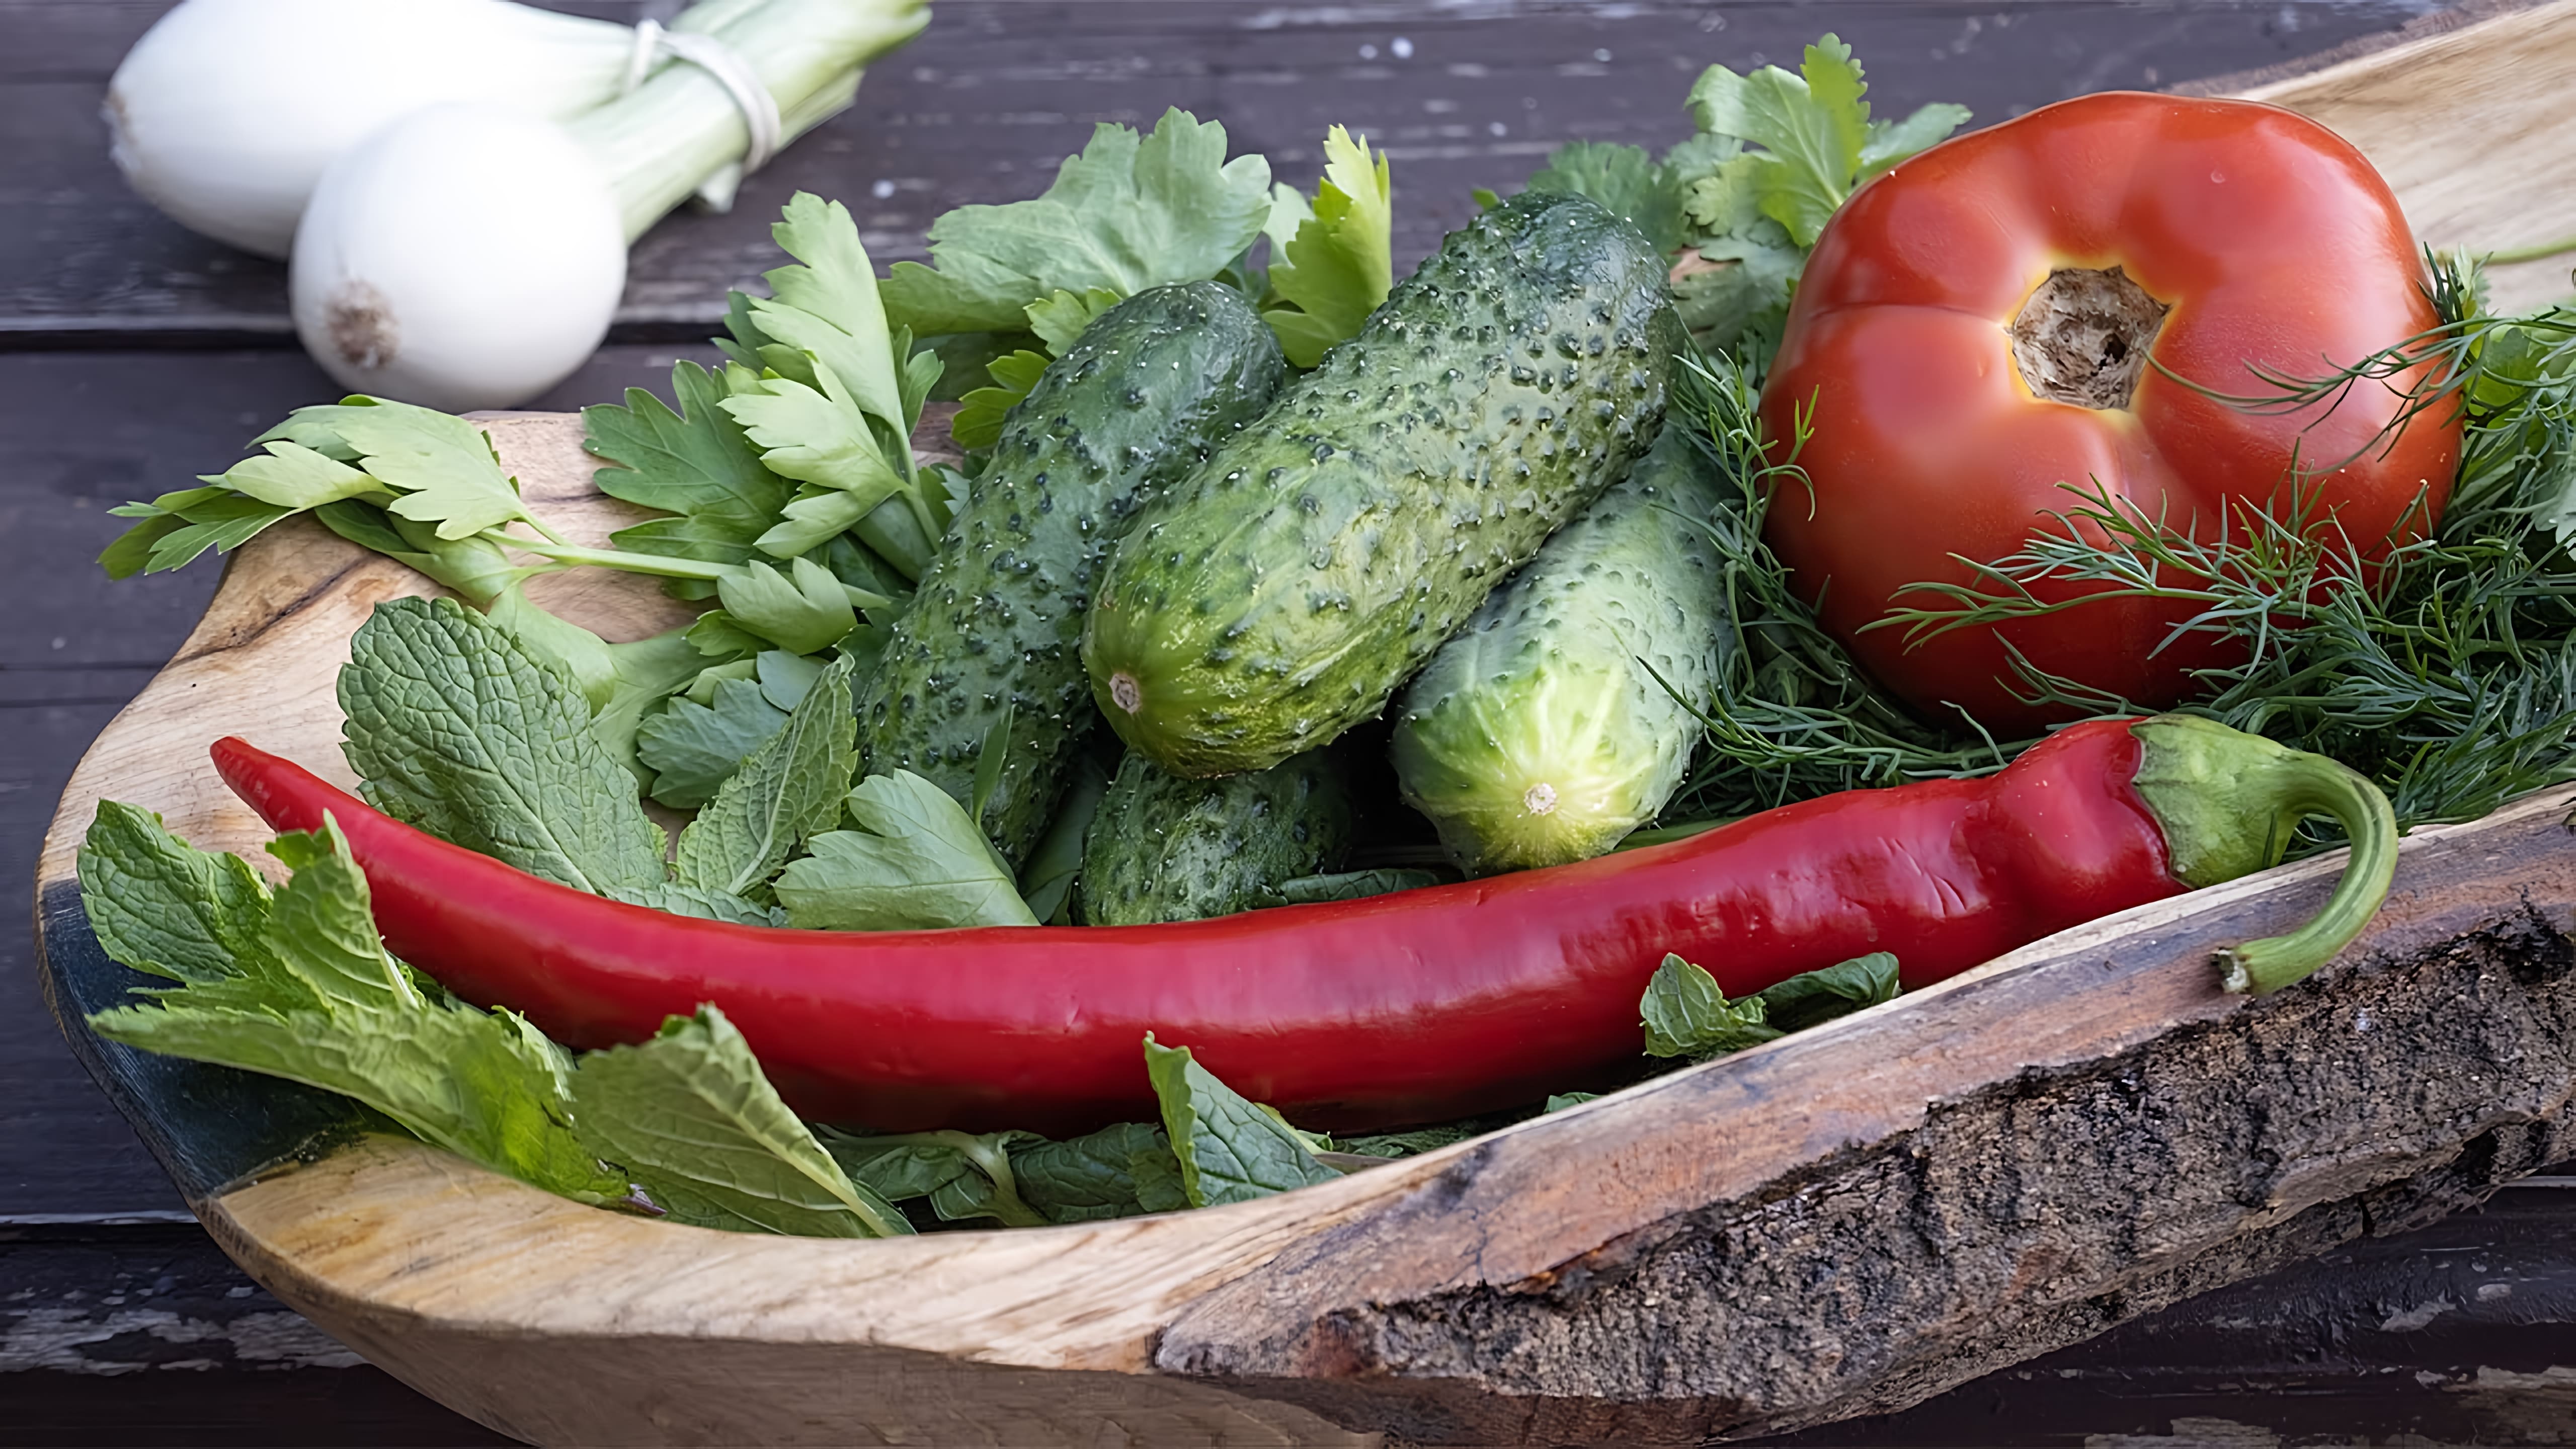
x: 1281, y: 593
x: 1540, y: 733
x: 995, y: 623
x: 1165, y: 848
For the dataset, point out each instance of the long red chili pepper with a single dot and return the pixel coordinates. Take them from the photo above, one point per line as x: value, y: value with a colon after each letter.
x: 1421, y: 1006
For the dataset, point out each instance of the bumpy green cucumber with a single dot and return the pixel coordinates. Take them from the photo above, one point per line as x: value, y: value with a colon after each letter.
x: 1280, y: 594
x: 1540, y: 733
x: 1164, y: 848
x: 996, y: 621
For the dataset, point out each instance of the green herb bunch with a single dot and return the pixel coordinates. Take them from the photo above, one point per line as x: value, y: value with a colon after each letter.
x: 2447, y: 673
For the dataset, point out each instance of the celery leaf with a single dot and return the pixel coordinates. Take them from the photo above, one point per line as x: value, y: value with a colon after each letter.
x: 300, y: 987
x: 1126, y: 214
x: 1340, y: 265
x: 690, y: 1115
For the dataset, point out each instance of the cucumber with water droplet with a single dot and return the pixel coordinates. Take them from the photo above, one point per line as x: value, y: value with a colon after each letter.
x: 1280, y: 594
x: 1544, y: 731
x: 995, y: 624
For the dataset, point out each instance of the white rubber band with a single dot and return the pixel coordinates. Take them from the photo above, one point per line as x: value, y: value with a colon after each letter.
x: 759, y: 108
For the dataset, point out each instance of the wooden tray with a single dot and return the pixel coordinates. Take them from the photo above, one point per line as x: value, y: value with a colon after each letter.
x: 1842, y: 1222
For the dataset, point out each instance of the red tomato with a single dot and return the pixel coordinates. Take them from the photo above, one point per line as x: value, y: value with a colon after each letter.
x: 2267, y: 240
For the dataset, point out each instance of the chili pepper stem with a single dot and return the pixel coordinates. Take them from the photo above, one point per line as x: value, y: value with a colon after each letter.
x: 2228, y: 801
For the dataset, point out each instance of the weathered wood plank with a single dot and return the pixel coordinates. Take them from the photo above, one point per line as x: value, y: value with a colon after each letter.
x: 984, y: 104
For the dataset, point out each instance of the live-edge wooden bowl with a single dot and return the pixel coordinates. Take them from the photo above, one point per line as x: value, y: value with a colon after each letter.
x: 1844, y: 1221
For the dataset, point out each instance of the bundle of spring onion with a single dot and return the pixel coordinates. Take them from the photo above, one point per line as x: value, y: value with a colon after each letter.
x: 458, y: 223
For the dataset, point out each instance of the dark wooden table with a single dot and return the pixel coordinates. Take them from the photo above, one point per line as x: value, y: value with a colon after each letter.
x: 133, y: 355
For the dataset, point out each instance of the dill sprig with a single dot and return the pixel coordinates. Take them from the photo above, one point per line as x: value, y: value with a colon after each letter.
x: 1792, y: 715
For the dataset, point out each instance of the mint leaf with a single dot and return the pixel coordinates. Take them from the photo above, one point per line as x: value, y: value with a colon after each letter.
x: 702, y: 902
x: 580, y: 656
x: 917, y: 861
x: 1340, y: 265
x: 787, y: 790
x: 1563, y: 1100
x: 978, y: 424
x: 301, y: 988
x: 1230, y: 1150
x: 1127, y: 214
x: 964, y: 1176
x: 455, y: 729
x: 1688, y: 1015
x: 1623, y: 178
x: 691, y: 1116
x: 164, y: 908
x: 694, y: 463
x: 1116, y: 1172
x: 1813, y: 997
x: 1415, y: 1142
x: 692, y: 749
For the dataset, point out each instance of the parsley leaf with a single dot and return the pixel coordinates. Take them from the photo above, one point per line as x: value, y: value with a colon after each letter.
x: 693, y: 462
x: 691, y: 1116
x: 1623, y: 178
x: 917, y: 861
x: 1126, y: 214
x: 1047, y: 877
x: 454, y: 728
x: 693, y: 748
x: 442, y: 467
x: 1230, y: 1150
x: 789, y: 789
x: 1062, y: 317
x: 978, y: 424
x: 804, y: 611
x: 299, y: 987
x: 475, y: 568
x: 835, y: 397
x: 1814, y: 127
x: 1340, y: 264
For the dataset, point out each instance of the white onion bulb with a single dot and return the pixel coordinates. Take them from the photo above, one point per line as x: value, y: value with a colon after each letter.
x: 226, y: 112
x: 466, y: 256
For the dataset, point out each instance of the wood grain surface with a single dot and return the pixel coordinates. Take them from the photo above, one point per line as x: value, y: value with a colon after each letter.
x: 1844, y: 1221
